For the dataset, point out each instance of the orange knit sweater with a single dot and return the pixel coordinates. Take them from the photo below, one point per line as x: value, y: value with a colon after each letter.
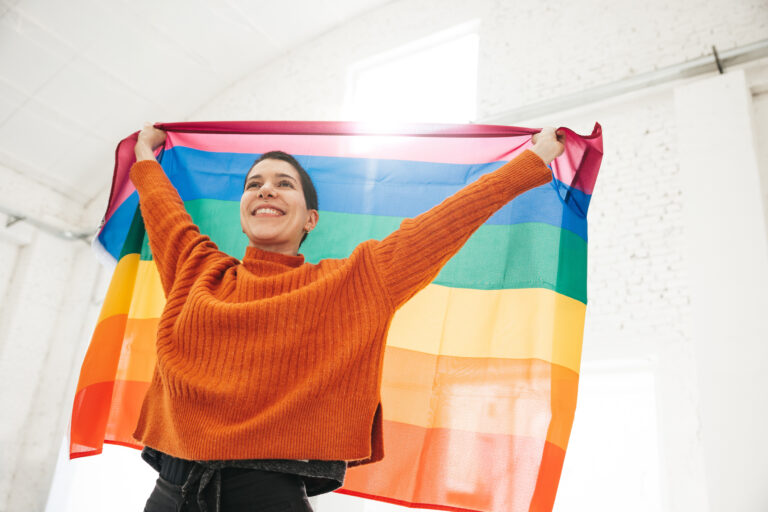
x: 276, y: 358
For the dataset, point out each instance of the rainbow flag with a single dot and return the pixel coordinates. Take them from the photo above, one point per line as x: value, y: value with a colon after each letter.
x: 481, y: 367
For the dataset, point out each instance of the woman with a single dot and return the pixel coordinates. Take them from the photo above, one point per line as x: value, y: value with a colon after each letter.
x: 269, y: 370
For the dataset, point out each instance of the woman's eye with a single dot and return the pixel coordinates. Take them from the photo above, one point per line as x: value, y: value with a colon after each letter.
x: 286, y: 184
x: 253, y: 184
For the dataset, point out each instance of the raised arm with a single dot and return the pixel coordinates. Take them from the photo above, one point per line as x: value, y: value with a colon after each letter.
x: 411, y: 257
x: 174, y: 239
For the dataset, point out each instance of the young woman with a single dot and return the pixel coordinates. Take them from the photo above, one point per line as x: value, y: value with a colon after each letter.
x: 269, y: 369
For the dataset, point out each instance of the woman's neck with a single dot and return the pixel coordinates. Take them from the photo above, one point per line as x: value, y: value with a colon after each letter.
x: 286, y: 249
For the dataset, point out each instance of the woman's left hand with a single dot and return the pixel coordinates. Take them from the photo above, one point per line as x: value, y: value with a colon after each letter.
x: 548, y: 144
x: 150, y: 138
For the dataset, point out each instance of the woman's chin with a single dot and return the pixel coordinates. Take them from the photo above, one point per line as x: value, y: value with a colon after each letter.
x: 261, y: 240
x: 268, y: 242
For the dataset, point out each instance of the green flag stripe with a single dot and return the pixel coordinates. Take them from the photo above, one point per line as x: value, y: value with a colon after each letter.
x: 528, y: 255
x: 135, y: 237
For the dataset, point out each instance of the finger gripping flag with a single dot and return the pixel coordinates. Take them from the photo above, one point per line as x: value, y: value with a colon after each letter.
x: 481, y: 367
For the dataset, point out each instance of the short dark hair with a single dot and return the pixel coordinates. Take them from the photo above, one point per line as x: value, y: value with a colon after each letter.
x: 310, y: 193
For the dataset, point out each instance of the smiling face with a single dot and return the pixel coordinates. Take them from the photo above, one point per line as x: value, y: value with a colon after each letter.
x: 273, y: 211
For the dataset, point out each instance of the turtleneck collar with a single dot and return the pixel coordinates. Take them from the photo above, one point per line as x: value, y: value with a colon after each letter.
x: 260, y: 261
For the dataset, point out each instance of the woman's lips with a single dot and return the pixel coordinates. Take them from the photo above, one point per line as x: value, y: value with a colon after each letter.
x: 267, y: 211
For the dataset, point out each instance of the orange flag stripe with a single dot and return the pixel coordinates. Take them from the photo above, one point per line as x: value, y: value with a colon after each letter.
x: 90, y: 414
x: 121, y: 348
x: 520, y: 397
x: 109, y: 411
x: 137, y: 360
x: 127, y: 398
x: 464, y: 470
x: 474, y: 394
x: 103, y: 353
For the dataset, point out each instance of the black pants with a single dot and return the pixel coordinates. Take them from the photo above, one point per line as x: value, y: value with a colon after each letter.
x: 241, y: 490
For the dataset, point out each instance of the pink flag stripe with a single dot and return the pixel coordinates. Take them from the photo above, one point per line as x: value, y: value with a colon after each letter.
x: 348, y: 128
x: 121, y: 184
x: 392, y: 147
x: 577, y: 167
x: 446, y: 143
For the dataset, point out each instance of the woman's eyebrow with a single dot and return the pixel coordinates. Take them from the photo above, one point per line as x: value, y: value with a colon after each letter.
x: 279, y: 175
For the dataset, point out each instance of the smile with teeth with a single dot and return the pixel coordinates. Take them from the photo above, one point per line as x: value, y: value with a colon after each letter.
x: 268, y: 212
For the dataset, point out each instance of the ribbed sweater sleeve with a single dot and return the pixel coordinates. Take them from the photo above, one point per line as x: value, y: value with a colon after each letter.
x: 411, y: 257
x: 173, y: 237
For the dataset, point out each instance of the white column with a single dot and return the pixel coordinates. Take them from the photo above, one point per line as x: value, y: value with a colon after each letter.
x: 728, y: 274
x: 43, y: 308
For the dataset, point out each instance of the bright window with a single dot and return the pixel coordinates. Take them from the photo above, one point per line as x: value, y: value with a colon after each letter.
x: 430, y: 80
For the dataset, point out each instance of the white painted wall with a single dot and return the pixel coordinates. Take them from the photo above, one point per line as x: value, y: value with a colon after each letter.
x: 645, y: 434
x: 528, y: 51
x: 760, y: 130
x: 49, y: 302
x: 642, y: 452
x: 728, y: 271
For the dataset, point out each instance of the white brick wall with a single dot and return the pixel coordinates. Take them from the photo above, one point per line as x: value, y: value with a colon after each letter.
x: 638, y: 290
x: 47, y: 313
x: 638, y: 284
x: 639, y: 294
x: 528, y: 51
x: 727, y: 260
x: 41, y: 328
x: 760, y: 104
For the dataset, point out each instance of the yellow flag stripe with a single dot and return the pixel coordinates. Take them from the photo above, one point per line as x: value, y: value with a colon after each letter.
x: 521, y: 323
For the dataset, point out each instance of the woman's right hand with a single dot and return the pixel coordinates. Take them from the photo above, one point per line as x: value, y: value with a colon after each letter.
x: 548, y: 144
x: 150, y: 138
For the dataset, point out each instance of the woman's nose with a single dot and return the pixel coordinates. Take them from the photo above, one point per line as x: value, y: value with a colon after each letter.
x: 266, y: 190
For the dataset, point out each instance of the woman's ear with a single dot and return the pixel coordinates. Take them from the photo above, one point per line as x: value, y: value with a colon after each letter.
x: 312, y: 220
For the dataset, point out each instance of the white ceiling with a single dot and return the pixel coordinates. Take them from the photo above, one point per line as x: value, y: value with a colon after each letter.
x: 76, y: 76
